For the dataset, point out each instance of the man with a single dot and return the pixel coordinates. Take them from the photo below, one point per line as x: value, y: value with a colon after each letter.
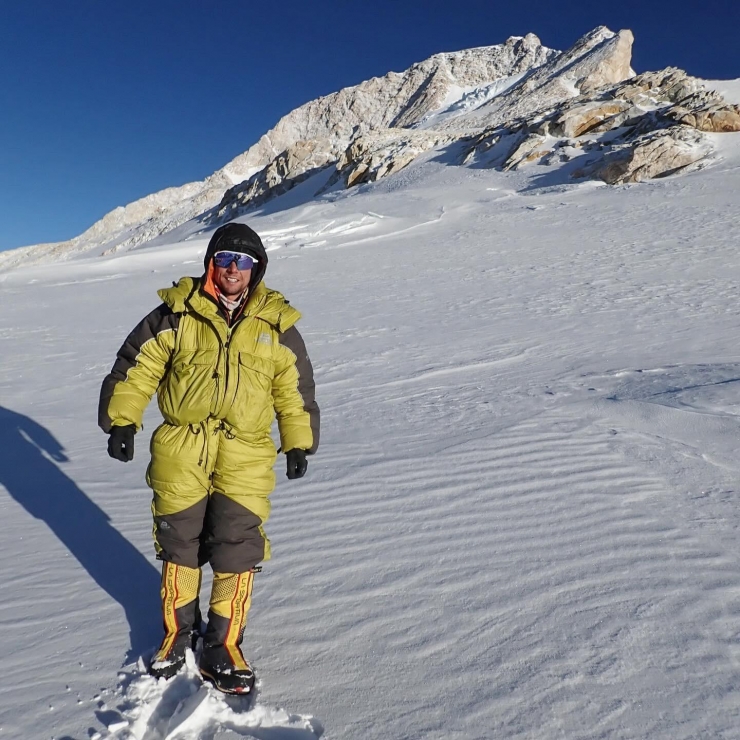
x: 224, y: 357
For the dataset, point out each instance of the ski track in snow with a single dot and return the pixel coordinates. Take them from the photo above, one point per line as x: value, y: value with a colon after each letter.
x: 522, y: 521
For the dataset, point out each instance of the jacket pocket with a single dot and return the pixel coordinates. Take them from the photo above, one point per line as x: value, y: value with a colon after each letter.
x: 188, y: 391
x: 252, y: 410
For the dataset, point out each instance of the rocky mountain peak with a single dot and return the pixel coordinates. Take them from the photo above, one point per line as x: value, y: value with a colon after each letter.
x: 396, y: 100
x: 582, y: 111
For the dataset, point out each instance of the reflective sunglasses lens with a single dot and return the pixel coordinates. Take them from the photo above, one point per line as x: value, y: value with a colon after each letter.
x: 224, y: 259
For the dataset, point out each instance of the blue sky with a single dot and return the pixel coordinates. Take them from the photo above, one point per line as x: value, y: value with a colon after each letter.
x: 104, y: 102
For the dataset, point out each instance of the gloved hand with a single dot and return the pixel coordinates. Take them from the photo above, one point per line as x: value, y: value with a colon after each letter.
x: 121, y: 443
x: 297, y: 463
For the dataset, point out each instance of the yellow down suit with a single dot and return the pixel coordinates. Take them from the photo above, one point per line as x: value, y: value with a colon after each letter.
x: 219, y: 388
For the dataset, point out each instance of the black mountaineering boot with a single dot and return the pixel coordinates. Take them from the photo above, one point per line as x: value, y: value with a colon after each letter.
x: 222, y: 662
x: 181, y: 616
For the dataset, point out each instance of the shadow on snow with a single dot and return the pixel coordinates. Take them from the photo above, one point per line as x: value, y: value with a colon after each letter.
x: 36, y: 482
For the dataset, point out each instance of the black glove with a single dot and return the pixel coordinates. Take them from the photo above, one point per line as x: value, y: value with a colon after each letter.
x: 297, y: 463
x: 121, y: 443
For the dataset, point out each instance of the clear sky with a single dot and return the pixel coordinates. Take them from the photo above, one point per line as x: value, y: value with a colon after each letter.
x: 104, y: 102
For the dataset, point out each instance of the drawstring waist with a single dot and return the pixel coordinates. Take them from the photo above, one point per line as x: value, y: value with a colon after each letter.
x: 202, y: 429
x: 227, y: 429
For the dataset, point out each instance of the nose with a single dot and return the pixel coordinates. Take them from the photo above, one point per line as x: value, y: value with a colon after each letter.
x: 232, y: 267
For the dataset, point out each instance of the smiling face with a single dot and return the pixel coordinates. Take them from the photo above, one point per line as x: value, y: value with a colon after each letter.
x: 231, y: 281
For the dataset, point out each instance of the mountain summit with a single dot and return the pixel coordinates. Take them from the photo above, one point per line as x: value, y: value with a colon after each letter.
x: 582, y: 112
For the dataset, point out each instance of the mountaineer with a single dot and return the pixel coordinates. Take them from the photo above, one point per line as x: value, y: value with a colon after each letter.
x: 224, y: 356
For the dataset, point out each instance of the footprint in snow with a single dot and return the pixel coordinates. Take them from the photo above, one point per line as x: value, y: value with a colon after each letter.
x: 184, y: 708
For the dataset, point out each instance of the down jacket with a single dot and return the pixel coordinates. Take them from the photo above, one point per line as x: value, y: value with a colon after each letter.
x: 201, y: 368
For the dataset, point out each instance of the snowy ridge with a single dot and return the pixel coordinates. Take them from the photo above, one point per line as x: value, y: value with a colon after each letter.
x: 397, y: 100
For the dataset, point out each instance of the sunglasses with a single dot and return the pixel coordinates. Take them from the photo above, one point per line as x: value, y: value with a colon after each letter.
x: 224, y: 259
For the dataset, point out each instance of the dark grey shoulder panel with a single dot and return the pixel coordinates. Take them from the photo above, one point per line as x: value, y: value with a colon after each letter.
x: 160, y: 319
x: 292, y: 339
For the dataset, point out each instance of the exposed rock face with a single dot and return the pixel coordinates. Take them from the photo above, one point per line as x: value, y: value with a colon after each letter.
x: 656, y: 154
x: 623, y: 133
x: 597, y: 57
x: 291, y: 167
x: 580, y: 119
x: 382, y: 146
x: 396, y: 100
x: 393, y: 102
x: 533, y: 147
x: 610, y: 64
x: 373, y: 156
x: 511, y: 105
x: 712, y: 115
x: 669, y: 85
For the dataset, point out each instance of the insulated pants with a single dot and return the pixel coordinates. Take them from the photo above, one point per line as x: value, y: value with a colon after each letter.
x: 211, y: 489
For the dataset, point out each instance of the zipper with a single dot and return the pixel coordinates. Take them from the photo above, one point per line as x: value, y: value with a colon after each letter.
x: 231, y: 331
x: 223, y: 349
x: 222, y: 382
x: 227, y: 365
x: 217, y: 377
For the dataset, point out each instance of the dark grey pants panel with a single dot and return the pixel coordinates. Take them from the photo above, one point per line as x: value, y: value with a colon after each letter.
x: 232, y: 540
x: 178, y: 536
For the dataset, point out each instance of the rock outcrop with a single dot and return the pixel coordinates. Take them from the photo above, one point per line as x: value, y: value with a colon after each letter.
x: 600, y: 57
x: 396, y: 100
x: 380, y: 142
x: 373, y: 156
x: 706, y: 113
x: 598, y: 115
x: 290, y: 168
x: 620, y: 133
x: 656, y: 154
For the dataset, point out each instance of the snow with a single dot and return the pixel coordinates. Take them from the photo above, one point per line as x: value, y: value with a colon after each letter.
x: 729, y: 89
x: 461, y: 100
x: 522, y: 521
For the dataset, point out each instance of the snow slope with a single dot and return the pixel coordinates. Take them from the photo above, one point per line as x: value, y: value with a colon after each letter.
x: 729, y: 89
x: 526, y: 494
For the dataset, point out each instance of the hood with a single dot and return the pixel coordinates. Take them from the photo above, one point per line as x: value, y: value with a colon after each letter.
x: 238, y: 238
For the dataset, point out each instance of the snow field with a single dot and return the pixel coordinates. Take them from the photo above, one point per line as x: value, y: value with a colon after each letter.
x: 522, y: 520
